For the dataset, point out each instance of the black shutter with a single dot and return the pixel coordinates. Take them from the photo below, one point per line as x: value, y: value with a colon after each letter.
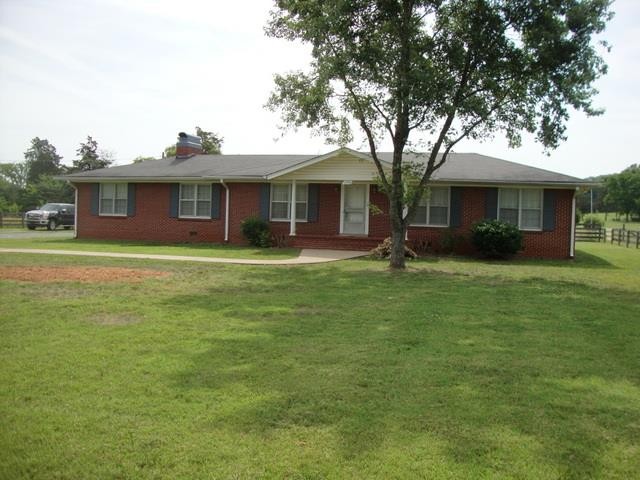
x: 265, y: 200
x: 174, y: 200
x: 95, y: 199
x: 456, y: 207
x: 491, y: 203
x: 216, y: 192
x: 131, y: 199
x: 549, y: 211
x: 313, y: 205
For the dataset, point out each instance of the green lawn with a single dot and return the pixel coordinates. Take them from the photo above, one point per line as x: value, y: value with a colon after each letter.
x: 190, y: 249
x: 454, y: 369
x: 613, y: 221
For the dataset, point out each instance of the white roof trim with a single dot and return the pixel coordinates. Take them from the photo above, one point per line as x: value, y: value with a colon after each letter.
x: 320, y: 158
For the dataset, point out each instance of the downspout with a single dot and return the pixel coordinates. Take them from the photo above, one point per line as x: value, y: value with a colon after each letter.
x: 226, y: 211
x: 75, y: 210
x: 572, y: 245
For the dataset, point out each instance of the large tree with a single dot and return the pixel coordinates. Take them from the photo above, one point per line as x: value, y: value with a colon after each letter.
x: 42, y: 159
x: 90, y: 158
x: 445, y: 70
x: 623, y: 191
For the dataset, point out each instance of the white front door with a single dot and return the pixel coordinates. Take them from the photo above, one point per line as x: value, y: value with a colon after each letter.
x: 354, y: 209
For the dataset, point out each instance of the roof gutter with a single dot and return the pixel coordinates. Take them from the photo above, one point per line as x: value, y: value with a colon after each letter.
x: 226, y: 210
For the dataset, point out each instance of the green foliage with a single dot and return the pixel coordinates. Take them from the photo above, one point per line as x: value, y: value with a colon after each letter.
x: 211, y: 142
x: 256, y: 231
x: 14, y: 173
x: 496, y: 239
x: 46, y: 190
x: 447, y: 69
x: 170, y: 151
x: 90, y: 158
x: 623, y: 190
x: 42, y: 159
x: 142, y: 158
x: 592, y: 221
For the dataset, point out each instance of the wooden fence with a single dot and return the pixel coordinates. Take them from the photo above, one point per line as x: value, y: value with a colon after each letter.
x: 11, y: 220
x: 585, y: 234
x: 628, y: 238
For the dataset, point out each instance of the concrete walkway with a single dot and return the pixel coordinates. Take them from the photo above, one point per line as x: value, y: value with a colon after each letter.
x: 307, y: 256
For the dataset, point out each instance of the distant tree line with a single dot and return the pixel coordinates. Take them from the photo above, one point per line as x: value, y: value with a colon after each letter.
x: 31, y: 183
x: 617, y: 193
x: 26, y: 185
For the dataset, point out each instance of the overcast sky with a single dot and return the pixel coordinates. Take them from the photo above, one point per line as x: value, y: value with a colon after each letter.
x: 134, y: 73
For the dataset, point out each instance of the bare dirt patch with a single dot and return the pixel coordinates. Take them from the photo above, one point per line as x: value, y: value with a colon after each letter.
x: 78, y: 274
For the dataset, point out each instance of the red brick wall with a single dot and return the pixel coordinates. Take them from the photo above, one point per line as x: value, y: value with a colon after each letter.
x: 152, y: 221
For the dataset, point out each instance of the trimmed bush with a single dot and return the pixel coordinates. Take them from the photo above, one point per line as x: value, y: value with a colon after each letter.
x: 496, y: 239
x: 256, y: 231
x: 592, y: 221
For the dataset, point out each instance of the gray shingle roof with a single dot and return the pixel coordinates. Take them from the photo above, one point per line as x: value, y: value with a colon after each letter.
x: 460, y: 167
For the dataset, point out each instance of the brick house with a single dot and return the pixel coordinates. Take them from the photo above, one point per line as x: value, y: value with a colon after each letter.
x: 326, y: 201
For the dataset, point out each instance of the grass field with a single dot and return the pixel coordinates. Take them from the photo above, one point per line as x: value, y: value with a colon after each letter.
x: 454, y: 369
x: 119, y: 246
x: 613, y: 221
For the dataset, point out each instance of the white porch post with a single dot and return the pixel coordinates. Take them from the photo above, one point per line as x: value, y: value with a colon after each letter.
x: 292, y: 224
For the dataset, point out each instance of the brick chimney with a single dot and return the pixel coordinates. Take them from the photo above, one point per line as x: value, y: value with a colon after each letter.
x: 188, y: 145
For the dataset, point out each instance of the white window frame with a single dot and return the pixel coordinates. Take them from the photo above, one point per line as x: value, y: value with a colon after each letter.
x: 195, y: 201
x: 101, y: 211
x: 541, y: 191
x: 298, y: 201
x: 428, y: 224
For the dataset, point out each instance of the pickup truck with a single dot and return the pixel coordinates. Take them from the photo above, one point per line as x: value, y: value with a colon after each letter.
x: 52, y: 216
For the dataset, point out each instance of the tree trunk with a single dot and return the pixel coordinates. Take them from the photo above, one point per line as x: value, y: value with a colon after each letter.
x: 397, y: 259
x: 398, y: 233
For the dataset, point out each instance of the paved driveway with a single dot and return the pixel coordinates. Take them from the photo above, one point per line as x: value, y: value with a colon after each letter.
x: 37, y: 234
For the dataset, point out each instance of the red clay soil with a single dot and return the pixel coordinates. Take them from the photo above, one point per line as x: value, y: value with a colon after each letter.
x: 78, y: 274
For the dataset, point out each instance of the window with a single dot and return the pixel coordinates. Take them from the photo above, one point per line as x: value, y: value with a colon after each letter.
x: 113, y: 199
x: 521, y: 207
x: 433, y: 208
x: 281, y: 202
x: 195, y: 200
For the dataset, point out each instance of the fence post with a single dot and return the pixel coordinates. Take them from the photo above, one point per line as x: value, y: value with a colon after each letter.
x: 0, y: 219
x: 628, y: 238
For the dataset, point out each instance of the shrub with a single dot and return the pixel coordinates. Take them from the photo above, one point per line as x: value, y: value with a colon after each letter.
x: 450, y: 241
x: 256, y: 231
x: 592, y: 221
x: 496, y: 239
x: 384, y: 250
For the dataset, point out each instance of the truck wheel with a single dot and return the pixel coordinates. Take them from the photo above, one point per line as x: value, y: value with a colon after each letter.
x: 52, y: 225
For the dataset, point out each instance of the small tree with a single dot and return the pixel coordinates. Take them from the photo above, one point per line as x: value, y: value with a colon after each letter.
x: 450, y: 69
x: 90, y: 158
x: 211, y: 143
